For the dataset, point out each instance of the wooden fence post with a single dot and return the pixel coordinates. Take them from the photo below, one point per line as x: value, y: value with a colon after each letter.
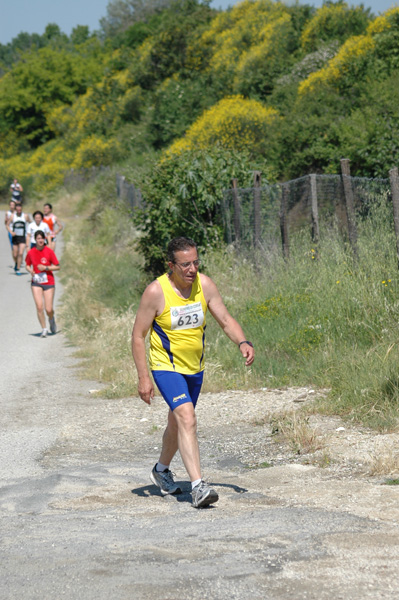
x: 237, y: 220
x: 315, y: 210
x: 257, y: 217
x: 394, y: 179
x: 118, y: 185
x: 284, y: 221
x: 349, y: 203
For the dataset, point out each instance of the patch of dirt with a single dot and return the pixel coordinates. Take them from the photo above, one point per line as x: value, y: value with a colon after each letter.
x: 239, y: 431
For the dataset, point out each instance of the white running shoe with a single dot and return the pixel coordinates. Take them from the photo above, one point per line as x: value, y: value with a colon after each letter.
x: 43, y: 333
x: 203, y: 495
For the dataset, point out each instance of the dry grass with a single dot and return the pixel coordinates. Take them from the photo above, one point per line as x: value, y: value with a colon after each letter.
x: 386, y: 463
x: 294, y: 429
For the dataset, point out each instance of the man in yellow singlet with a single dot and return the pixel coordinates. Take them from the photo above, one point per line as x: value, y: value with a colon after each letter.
x: 174, y: 308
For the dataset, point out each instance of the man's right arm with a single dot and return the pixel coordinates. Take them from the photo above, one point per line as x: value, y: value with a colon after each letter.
x: 149, y: 308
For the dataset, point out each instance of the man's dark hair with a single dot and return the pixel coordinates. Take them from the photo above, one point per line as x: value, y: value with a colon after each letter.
x: 178, y: 244
x: 38, y: 232
x: 49, y: 205
x: 38, y: 212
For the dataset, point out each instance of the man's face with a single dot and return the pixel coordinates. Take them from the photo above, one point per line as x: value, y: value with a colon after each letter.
x: 185, y: 265
x: 18, y: 208
x: 46, y: 210
x: 38, y: 219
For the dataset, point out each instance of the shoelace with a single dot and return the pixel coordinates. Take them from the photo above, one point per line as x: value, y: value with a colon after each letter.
x: 200, y: 487
x: 168, y: 476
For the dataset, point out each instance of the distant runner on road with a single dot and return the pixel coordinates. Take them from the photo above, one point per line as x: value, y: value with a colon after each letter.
x: 9, y: 213
x: 41, y: 262
x: 37, y: 225
x: 174, y: 307
x: 17, y: 226
x: 53, y: 222
x: 16, y: 190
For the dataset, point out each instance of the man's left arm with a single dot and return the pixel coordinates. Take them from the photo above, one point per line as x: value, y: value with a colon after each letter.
x: 230, y: 326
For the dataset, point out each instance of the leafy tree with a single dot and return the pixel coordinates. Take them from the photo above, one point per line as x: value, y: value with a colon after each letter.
x: 53, y: 33
x: 123, y: 13
x: 166, y: 52
x: 307, y: 142
x: 80, y: 34
x: 135, y: 34
x: 259, y: 67
x: 370, y: 134
x: 177, y: 103
x: 38, y: 83
x: 10, y: 53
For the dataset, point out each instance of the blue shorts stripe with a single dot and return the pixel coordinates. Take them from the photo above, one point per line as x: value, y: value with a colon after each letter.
x: 203, y: 347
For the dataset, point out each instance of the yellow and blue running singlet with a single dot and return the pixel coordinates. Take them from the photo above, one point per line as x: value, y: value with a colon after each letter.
x: 177, y: 340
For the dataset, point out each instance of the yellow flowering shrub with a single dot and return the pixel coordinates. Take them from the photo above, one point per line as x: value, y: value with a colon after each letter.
x: 333, y: 22
x: 383, y: 22
x: 44, y: 166
x: 265, y: 58
x: 234, y: 122
x: 355, y: 48
x: 60, y: 119
x: 352, y: 54
x: 236, y: 31
x: 95, y: 151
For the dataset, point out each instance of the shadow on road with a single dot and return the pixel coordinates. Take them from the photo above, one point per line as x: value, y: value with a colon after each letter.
x: 147, y: 491
x: 50, y: 335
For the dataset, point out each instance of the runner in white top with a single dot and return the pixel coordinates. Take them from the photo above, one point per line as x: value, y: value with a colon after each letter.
x: 37, y: 225
x: 17, y: 226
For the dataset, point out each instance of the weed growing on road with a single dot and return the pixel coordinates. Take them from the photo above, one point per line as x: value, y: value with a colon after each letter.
x: 386, y: 463
x: 295, y: 429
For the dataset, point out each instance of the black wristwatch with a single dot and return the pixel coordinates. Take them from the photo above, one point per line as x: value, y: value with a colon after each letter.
x: 246, y: 342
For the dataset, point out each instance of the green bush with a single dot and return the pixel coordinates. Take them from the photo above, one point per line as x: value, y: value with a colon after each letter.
x: 183, y: 195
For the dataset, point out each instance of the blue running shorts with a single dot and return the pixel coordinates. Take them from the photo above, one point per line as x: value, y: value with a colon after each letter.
x: 177, y: 388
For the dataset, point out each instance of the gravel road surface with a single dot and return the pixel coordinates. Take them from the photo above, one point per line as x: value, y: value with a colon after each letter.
x: 81, y: 519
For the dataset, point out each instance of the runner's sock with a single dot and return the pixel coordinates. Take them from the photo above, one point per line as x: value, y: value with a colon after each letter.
x: 195, y: 483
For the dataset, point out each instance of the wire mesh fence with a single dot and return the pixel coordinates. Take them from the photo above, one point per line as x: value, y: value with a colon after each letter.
x: 76, y: 178
x: 128, y: 192
x: 125, y: 191
x: 265, y: 216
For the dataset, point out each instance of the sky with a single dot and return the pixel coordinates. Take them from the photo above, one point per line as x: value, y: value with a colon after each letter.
x: 32, y: 16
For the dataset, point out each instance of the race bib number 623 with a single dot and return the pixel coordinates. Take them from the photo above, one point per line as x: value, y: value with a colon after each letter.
x: 186, y: 317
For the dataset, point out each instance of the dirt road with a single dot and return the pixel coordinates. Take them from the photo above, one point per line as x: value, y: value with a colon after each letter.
x: 81, y: 519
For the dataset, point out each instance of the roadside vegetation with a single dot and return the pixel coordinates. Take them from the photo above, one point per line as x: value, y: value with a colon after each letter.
x: 322, y: 320
x: 181, y: 98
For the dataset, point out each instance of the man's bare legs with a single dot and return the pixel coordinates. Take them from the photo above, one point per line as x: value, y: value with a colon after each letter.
x: 18, y: 254
x: 181, y: 434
